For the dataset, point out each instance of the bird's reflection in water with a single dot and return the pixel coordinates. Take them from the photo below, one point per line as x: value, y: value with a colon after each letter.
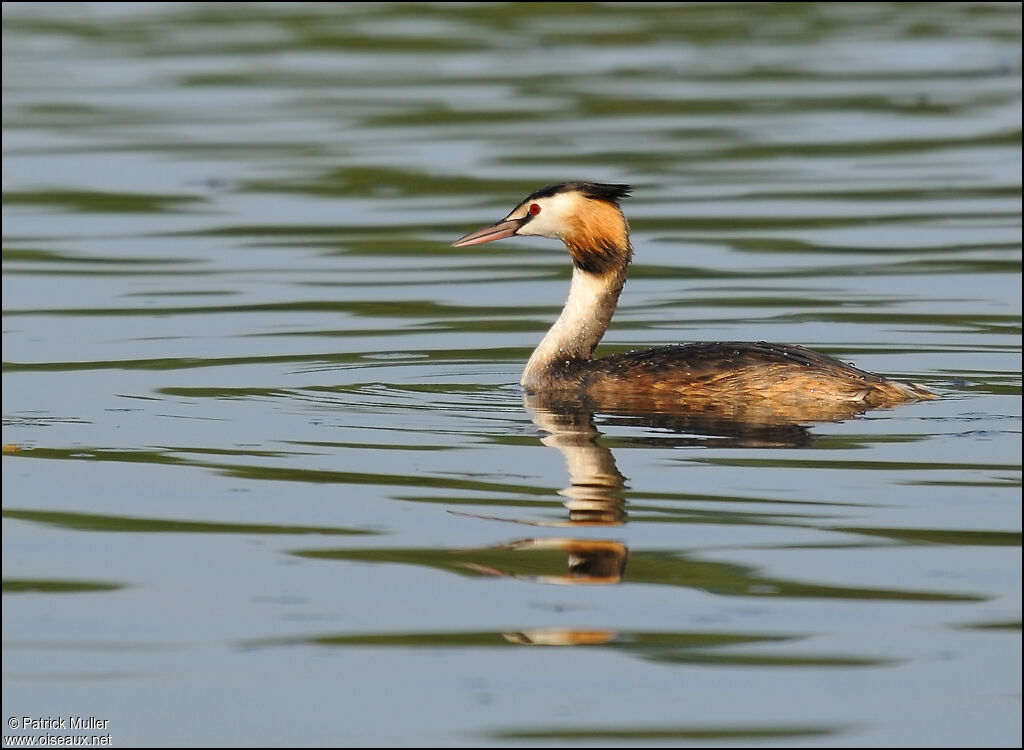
x: 589, y: 560
x: 596, y: 503
x: 767, y: 425
x: 561, y: 637
x: 596, y: 492
x: 595, y: 496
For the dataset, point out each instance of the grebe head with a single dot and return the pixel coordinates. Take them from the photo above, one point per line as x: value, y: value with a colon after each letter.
x: 584, y: 215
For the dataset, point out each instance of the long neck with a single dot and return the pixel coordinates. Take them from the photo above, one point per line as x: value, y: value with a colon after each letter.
x: 576, y: 333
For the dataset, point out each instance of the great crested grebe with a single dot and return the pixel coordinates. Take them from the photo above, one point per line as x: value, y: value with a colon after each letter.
x: 723, y: 377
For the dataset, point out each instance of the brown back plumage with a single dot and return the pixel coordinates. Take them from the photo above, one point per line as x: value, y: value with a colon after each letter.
x: 755, y: 380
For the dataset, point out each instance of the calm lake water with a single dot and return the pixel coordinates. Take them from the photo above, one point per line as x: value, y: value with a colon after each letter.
x: 268, y: 477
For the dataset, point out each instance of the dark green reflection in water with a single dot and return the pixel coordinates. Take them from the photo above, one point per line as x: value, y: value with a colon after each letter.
x: 54, y: 586
x: 97, y: 202
x: 97, y: 522
x: 659, y: 647
x: 942, y: 536
x: 1009, y: 626
x: 686, y: 732
x: 281, y: 473
x: 649, y: 567
x: 363, y: 182
x: 521, y: 495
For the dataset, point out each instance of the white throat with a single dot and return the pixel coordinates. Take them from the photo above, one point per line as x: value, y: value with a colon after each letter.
x: 576, y: 333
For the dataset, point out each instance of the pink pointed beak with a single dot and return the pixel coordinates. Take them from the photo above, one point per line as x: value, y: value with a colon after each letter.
x: 499, y: 231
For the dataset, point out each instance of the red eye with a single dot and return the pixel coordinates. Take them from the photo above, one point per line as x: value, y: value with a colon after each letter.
x: 534, y: 209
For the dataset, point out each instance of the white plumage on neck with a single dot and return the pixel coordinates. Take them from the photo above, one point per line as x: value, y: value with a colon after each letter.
x: 578, y: 330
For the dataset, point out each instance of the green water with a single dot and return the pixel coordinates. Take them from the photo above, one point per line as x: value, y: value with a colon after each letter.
x: 267, y: 474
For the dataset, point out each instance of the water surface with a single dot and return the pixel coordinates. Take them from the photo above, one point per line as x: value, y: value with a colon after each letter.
x: 268, y: 477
